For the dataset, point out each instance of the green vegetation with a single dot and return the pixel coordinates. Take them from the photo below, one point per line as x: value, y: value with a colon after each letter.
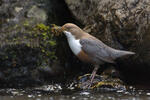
x: 28, y: 35
x: 47, y: 42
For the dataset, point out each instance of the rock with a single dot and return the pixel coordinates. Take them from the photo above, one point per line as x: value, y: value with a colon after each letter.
x: 37, y: 13
x: 2, y: 76
x: 26, y: 42
x: 99, y: 82
x: 51, y: 72
x: 18, y: 9
x: 122, y: 24
x: 49, y: 88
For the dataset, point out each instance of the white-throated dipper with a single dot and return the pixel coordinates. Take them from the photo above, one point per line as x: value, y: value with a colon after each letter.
x: 90, y: 49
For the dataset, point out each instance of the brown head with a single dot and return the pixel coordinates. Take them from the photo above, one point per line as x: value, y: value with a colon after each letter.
x: 73, y: 29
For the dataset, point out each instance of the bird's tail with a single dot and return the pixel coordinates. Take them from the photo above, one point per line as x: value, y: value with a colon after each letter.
x: 121, y: 53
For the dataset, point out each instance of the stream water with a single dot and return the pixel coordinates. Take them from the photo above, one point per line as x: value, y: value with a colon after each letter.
x: 104, y: 94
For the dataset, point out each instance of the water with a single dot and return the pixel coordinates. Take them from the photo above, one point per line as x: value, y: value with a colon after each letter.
x: 104, y: 94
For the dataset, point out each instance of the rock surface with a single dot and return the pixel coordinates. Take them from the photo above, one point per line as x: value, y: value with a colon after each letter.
x: 27, y: 47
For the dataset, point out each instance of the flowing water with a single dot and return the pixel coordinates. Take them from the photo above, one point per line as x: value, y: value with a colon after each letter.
x: 103, y: 94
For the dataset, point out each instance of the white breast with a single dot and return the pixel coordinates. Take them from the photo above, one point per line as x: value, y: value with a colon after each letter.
x: 73, y: 43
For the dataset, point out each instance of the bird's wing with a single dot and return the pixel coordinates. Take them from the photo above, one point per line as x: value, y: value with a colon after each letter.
x: 96, y: 48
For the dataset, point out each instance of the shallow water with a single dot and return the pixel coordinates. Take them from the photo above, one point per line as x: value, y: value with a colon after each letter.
x: 103, y: 94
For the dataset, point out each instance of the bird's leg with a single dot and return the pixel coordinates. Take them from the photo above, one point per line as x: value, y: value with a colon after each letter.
x: 93, y: 74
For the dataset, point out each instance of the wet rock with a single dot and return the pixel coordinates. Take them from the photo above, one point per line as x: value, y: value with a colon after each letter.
x: 52, y: 72
x: 2, y: 76
x: 49, y: 88
x: 101, y: 81
x: 122, y: 25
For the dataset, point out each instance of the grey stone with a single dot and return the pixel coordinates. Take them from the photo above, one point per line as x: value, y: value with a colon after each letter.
x: 37, y: 13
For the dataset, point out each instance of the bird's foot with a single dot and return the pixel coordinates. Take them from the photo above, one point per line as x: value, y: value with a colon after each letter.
x: 90, y: 84
x: 86, y: 83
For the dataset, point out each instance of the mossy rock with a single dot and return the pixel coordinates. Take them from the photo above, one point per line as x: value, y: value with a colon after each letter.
x: 23, y: 52
x: 100, y: 82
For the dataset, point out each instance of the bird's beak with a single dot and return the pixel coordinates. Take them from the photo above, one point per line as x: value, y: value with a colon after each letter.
x: 57, y: 30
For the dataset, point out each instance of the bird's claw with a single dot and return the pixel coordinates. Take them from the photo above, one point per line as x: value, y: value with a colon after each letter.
x: 86, y: 85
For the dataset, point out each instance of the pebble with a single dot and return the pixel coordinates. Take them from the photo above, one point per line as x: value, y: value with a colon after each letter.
x: 147, y: 93
x: 84, y: 93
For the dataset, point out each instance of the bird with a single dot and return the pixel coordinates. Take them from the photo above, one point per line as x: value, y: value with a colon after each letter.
x: 90, y: 49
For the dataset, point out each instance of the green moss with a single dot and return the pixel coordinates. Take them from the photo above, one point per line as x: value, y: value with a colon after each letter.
x: 26, y: 23
x: 33, y: 36
x: 42, y: 27
x: 52, y: 43
x: 47, y: 44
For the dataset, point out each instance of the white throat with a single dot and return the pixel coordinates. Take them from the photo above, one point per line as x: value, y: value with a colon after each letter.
x: 73, y: 43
